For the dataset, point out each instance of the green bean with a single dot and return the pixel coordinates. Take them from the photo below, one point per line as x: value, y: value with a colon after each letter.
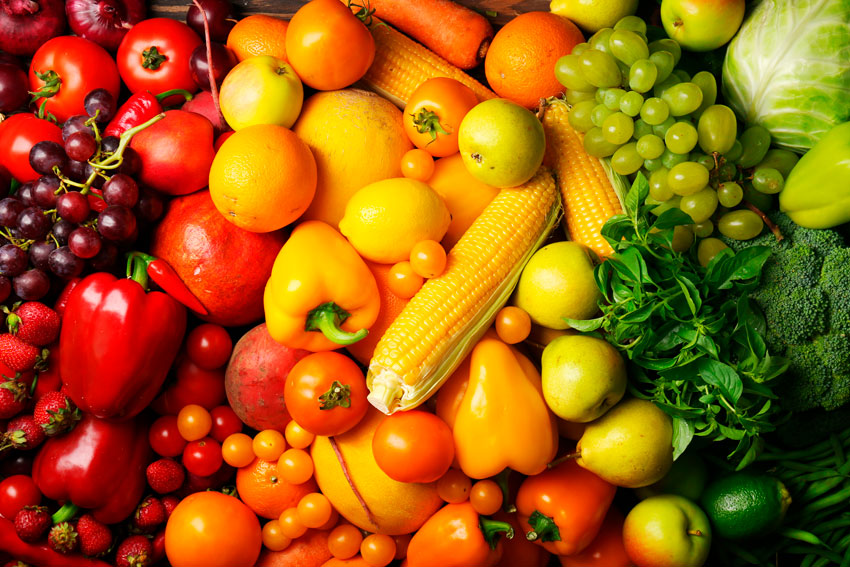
x: 839, y: 450
x: 817, y: 552
x: 839, y: 497
x: 801, y: 535
x: 802, y: 466
x: 808, y: 560
x: 845, y: 562
x: 842, y: 521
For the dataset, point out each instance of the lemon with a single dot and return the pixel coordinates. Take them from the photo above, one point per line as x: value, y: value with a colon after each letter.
x: 593, y: 15
x: 385, y: 219
x: 743, y: 505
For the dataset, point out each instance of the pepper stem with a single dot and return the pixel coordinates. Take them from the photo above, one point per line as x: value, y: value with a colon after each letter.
x: 543, y: 528
x: 502, y: 480
x: 327, y: 318
x: 137, y: 267
x: 492, y: 528
x: 164, y: 95
x: 64, y: 513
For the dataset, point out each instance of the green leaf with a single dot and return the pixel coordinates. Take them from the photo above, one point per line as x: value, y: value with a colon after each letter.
x: 672, y: 218
x: 724, y: 270
x: 639, y: 315
x: 730, y: 433
x: 683, y: 433
x: 723, y: 377
x: 585, y: 325
x: 630, y: 265
x: 690, y: 293
x: 753, y: 451
x: 636, y: 196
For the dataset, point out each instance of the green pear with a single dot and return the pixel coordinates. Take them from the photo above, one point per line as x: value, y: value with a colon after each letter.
x: 630, y: 446
x: 582, y: 377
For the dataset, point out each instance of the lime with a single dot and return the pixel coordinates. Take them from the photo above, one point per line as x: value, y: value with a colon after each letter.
x: 745, y: 504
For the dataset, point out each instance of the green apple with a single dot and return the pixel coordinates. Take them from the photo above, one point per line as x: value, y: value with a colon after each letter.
x: 702, y: 25
x: 261, y: 90
x: 593, y: 15
x: 501, y: 143
x: 667, y: 531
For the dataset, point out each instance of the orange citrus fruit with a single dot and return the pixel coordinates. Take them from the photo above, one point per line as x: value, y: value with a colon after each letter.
x: 520, y: 64
x: 265, y: 492
x: 258, y: 35
x: 262, y: 178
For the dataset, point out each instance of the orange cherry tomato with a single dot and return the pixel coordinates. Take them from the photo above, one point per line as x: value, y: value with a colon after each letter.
x: 328, y: 46
x: 377, y: 550
x: 212, y: 529
x: 314, y: 510
x: 237, y: 450
x: 486, y: 497
x: 295, y: 466
x: 428, y: 258
x: 434, y: 112
x: 413, y: 446
x: 513, y: 325
x: 194, y: 422
x: 403, y: 281
x: 269, y: 444
x: 296, y: 436
x: 454, y: 487
x: 273, y: 537
x: 344, y: 541
x: 417, y: 164
x: 290, y: 523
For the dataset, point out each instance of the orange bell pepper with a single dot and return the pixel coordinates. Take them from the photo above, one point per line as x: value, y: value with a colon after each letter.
x: 456, y: 536
x: 563, y: 508
x: 607, y: 548
x: 503, y: 420
x: 320, y: 295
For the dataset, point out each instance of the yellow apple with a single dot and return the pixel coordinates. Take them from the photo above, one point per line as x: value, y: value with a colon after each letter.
x: 702, y: 25
x: 261, y: 90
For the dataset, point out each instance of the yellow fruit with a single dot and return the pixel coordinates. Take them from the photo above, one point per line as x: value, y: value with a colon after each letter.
x: 593, y: 15
x: 357, y: 138
x: 385, y: 219
x: 394, y: 508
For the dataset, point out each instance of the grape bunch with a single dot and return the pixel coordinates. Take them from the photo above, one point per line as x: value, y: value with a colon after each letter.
x: 635, y: 107
x: 83, y: 210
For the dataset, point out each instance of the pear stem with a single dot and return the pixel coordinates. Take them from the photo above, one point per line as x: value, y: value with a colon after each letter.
x: 564, y: 459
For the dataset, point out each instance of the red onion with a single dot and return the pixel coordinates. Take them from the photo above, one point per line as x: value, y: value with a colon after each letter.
x: 104, y: 21
x: 26, y: 24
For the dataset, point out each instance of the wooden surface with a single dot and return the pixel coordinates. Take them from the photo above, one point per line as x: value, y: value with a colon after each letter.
x: 499, y: 11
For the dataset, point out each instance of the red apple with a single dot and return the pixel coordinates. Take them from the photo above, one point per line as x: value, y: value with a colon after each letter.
x: 702, y: 25
x: 667, y: 531
x: 261, y: 90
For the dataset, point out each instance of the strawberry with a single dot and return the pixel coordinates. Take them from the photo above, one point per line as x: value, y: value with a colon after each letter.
x: 165, y: 475
x: 31, y: 523
x: 158, y: 546
x: 23, y: 432
x: 170, y: 502
x: 55, y: 413
x: 14, y: 396
x: 134, y: 551
x: 62, y: 538
x: 35, y: 323
x: 17, y: 354
x: 95, y: 536
x: 149, y: 514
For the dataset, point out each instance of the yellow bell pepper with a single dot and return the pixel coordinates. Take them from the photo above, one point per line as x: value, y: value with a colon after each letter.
x: 503, y: 420
x: 320, y: 295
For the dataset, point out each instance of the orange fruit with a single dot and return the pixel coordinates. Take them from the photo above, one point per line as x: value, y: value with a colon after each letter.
x: 262, y: 178
x: 258, y: 35
x: 520, y: 63
x: 265, y: 492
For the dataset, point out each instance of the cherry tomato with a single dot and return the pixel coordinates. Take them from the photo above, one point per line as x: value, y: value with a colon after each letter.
x: 513, y: 325
x: 290, y: 523
x: 269, y: 444
x: 377, y: 550
x: 194, y: 386
x: 434, y: 112
x: 417, y: 164
x: 16, y: 492
x: 209, y: 346
x: 297, y: 436
x: 332, y: 521
x: 428, y: 258
x: 454, y: 487
x: 225, y: 422
x: 413, y: 446
x: 273, y: 538
x: 325, y: 393
x: 344, y: 541
x: 202, y: 457
x: 401, y: 543
x: 238, y: 450
x: 212, y: 529
x: 295, y: 466
x: 314, y: 509
x: 403, y: 281
x: 317, y: 36
x: 18, y: 134
x: 486, y: 497
x: 66, y: 68
x: 194, y: 422
x: 165, y: 438
x: 154, y: 56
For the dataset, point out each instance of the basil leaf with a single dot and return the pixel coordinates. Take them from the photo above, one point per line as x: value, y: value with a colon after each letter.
x: 689, y: 291
x: 723, y: 377
x: 735, y: 434
x: 744, y: 265
x: 672, y: 218
x: 637, y: 196
x: 630, y: 265
x: 754, y: 449
x: 585, y: 325
x: 639, y: 315
x: 683, y: 433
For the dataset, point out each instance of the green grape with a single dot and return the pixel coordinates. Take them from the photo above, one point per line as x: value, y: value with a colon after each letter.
x: 768, y: 180
x: 734, y: 153
x: 624, y: 73
x: 631, y: 103
x: 641, y: 129
x: 669, y: 45
x: 595, y: 144
x: 575, y: 97
x: 756, y: 142
x: 599, y: 68
x: 663, y: 63
x: 708, y: 85
x: 618, y: 128
x: 717, y: 129
x: 781, y: 160
x: 580, y: 48
x: 704, y: 160
x: 626, y: 160
x: 568, y: 73
x: 662, y: 206
x: 683, y: 75
x: 642, y: 75
x: 761, y: 201
x: 631, y: 23
x: 600, y: 95
x: 708, y: 248
x: 687, y: 178
x: 650, y: 146
x: 727, y: 172
x: 671, y: 159
x: 658, y: 187
x: 599, y: 113
x: 660, y: 130
x: 580, y: 115
x: 654, y: 111
x: 600, y: 40
x: 652, y: 164
x: 612, y: 97
x: 661, y: 86
x: 681, y: 138
x: 682, y: 98
x: 627, y: 46
x: 729, y: 194
x: 700, y: 205
x: 703, y: 229
x: 740, y: 224
x: 683, y: 238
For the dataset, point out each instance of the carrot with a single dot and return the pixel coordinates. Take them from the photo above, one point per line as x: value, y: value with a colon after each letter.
x: 456, y: 33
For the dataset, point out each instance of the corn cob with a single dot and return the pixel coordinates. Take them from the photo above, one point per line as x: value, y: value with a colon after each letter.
x: 590, y: 190
x: 447, y: 316
x: 402, y: 64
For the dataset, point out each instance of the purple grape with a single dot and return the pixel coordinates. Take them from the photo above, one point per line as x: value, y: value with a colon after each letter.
x: 13, y: 87
x: 5, y: 182
x: 39, y: 252
x: 116, y: 223
x: 109, y: 144
x: 44, y: 191
x: 25, y: 194
x: 151, y: 205
x: 80, y: 146
x: 223, y: 61
x: 33, y: 223
x: 65, y: 263
x: 5, y: 288
x: 32, y: 285
x: 106, y: 259
x: 121, y: 190
x: 97, y: 180
x: 73, y: 207
x: 62, y: 229
x: 13, y: 260
x: 75, y: 124
x: 131, y: 164
x: 100, y: 102
x: 76, y: 170
x: 10, y: 208
x: 46, y: 155
x: 84, y: 242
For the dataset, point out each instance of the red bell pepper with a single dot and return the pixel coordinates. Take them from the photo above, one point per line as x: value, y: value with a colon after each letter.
x: 118, y: 342
x: 99, y: 465
x: 138, y: 109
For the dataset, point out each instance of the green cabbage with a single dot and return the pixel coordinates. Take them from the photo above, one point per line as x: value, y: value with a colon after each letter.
x: 788, y: 69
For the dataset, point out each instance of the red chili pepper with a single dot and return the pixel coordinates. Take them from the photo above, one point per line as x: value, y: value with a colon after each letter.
x: 39, y: 553
x: 138, y: 109
x: 165, y: 277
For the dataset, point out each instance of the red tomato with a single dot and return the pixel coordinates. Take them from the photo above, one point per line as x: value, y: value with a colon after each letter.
x: 325, y: 393
x: 413, y: 446
x: 434, y: 112
x: 225, y: 422
x: 154, y: 56
x: 70, y: 67
x: 194, y: 386
x: 203, y: 457
x: 209, y: 346
x: 165, y: 438
x: 16, y: 492
x: 18, y: 134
